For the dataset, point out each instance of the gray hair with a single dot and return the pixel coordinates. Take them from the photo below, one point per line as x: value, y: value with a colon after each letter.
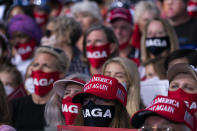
x: 87, y: 6
x: 144, y: 6
x: 53, y: 110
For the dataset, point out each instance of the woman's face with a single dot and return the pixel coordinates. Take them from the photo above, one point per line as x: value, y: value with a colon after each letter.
x: 7, y: 79
x: 72, y: 89
x: 85, y: 19
x: 144, y: 18
x: 50, y: 37
x: 96, y: 38
x: 44, y: 62
x: 115, y: 70
x: 155, y: 29
x: 184, y: 81
x: 97, y: 100
x: 149, y: 71
x: 19, y: 37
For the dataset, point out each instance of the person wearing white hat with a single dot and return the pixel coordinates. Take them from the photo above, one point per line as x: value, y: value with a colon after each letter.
x: 59, y: 109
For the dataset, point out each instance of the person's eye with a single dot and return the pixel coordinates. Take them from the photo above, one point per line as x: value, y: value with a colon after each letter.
x: 47, y: 66
x: 173, y: 86
x: 189, y: 88
x: 120, y: 76
x: 66, y: 93
x: 85, y: 101
x: 35, y: 64
x: 124, y: 28
x: 107, y: 73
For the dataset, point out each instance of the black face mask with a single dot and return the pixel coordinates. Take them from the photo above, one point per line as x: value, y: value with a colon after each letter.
x: 156, y: 45
x: 97, y: 115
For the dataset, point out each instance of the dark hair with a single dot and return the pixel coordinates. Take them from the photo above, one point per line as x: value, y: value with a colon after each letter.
x: 6, y: 51
x: 111, y: 38
x: 26, y: 9
x: 4, y: 110
x: 16, y: 75
x: 189, y: 54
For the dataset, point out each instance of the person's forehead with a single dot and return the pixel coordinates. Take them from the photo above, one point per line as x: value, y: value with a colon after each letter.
x: 72, y: 85
x: 156, y: 121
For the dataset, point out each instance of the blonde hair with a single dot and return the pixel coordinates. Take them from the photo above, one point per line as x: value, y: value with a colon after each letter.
x: 133, y: 78
x: 67, y: 29
x: 145, y: 56
x: 144, y: 6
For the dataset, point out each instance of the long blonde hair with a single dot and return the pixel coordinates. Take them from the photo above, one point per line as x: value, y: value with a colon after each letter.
x: 145, y: 56
x: 133, y: 79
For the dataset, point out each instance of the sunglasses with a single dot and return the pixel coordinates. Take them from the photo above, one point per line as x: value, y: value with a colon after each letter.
x: 48, y: 33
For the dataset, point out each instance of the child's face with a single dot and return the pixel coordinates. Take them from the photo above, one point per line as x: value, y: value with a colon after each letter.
x: 7, y: 79
x: 149, y: 71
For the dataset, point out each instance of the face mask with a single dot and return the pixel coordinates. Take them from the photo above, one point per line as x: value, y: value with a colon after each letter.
x: 8, y: 90
x: 25, y: 50
x: 29, y: 85
x: 43, y: 82
x: 41, y: 19
x: 192, y: 8
x: 156, y: 45
x: 189, y: 99
x: 124, y: 84
x: 97, y: 115
x: 70, y: 110
x: 97, y: 55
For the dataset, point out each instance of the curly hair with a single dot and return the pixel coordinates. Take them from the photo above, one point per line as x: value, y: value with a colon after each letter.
x: 67, y: 29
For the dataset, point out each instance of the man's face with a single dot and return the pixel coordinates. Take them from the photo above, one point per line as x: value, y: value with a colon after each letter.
x: 122, y: 29
x: 157, y: 123
x: 174, y: 8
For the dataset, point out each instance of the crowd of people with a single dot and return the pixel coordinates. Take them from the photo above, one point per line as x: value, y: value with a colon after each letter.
x: 87, y: 63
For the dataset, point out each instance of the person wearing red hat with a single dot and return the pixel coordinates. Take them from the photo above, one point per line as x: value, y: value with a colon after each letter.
x: 165, y: 114
x: 102, y: 100
x: 59, y: 109
x: 120, y: 19
x: 183, y: 84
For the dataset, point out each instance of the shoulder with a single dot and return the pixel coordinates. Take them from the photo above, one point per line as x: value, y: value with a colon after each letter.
x: 6, y: 128
x: 21, y: 101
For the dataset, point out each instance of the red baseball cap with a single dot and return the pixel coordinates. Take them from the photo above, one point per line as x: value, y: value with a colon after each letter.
x: 59, y: 85
x: 172, y: 109
x: 119, y: 13
x: 104, y: 87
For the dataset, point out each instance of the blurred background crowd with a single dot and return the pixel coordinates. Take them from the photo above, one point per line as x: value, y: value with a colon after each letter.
x: 49, y: 49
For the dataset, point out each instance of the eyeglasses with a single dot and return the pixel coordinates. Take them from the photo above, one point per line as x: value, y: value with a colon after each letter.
x: 57, y: 50
x: 155, y: 129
